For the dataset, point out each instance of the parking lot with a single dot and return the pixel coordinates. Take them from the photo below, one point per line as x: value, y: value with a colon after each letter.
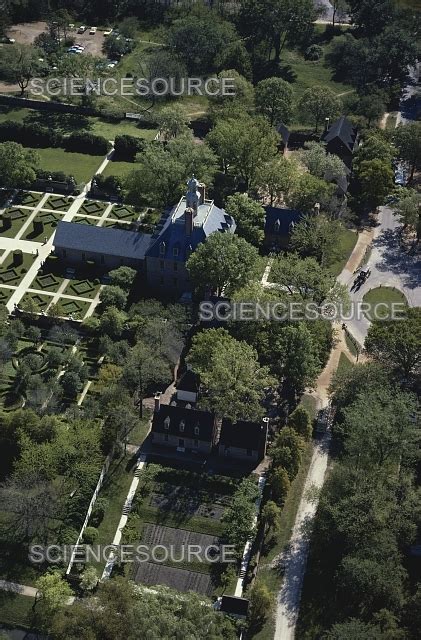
x: 25, y: 33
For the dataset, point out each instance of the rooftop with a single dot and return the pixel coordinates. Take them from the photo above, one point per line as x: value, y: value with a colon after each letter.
x: 184, y: 422
x: 244, y: 435
x: 103, y: 240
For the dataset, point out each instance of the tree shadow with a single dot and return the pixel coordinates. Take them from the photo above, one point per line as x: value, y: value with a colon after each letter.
x: 62, y: 122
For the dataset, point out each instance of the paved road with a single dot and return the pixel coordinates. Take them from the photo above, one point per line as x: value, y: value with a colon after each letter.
x: 295, y: 560
x: 390, y: 267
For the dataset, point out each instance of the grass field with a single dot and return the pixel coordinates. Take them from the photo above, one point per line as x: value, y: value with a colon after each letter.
x: 66, y: 123
x: 384, y: 295
x: 15, y: 610
x: 80, y: 165
x: 118, y: 168
x: 345, y: 247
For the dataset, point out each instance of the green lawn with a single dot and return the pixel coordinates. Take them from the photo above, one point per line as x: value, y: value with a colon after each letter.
x: 49, y: 220
x: 344, y: 363
x: 15, y: 610
x: 39, y: 300
x: 80, y: 165
x: 18, y: 218
x: 66, y: 123
x: 118, y: 168
x: 82, y: 288
x: 9, y: 274
x: 384, y: 295
x: 347, y: 242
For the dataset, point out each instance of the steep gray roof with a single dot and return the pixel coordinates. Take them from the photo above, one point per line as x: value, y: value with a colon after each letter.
x: 103, y: 240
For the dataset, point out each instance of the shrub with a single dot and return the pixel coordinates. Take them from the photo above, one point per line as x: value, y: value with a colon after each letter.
x: 300, y: 421
x: 128, y: 146
x: 29, y: 135
x: 98, y: 512
x: 314, y: 52
x: 85, y: 142
x: 91, y: 535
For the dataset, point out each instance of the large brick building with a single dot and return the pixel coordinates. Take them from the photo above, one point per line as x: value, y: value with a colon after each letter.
x: 161, y: 256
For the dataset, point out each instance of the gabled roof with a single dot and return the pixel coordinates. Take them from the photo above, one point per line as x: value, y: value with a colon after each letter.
x: 342, y: 130
x: 234, y: 605
x: 244, y: 435
x: 189, y: 381
x: 102, y: 240
x: 278, y: 221
x: 183, y: 422
x: 171, y: 230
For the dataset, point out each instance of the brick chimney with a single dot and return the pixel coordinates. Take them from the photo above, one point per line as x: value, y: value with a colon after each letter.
x: 327, y: 124
x: 188, y: 220
x: 157, y: 399
x: 265, y: 423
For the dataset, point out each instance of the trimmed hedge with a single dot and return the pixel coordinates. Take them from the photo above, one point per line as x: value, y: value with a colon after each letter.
x: 29, y: 135
x: 85, y: 142
x: 128, y: 146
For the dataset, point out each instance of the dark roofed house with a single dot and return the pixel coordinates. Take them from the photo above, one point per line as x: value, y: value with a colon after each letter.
x: 341, y: 138
x: 243, y: 440
x: 106, y: 246
x: 188, y: 387
x: 183, y: 428
x: 179, y: 233
x: 279, y: 224
x: 234, y: 606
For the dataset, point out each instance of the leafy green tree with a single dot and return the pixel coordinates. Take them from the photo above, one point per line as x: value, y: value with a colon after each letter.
x: 300, y: 420
x: 407, y: 139
x: 271, y: 517
x: 236, y: 96
x: 237, y: 520
x: 231, y: 373
x: 308, y: 190
x: 123, y: 277
x: 132, y: 614
x: 305, y: 277
x: 20, y: 64
x: 287, y: 451
x: 71, y: 383
x: 17, y: 165
x: 396, y: 344
x: 317, y: 237
x: 322, y: 164
x: 376, y: 181
x: 249, y: 216
x: 113, y: 296
x: 319, y: 103
x: 261, y: 603
x: 54, y: 593
x: 223, y: 263
x: 279, y: 485
x: 379, y: 428
x: 243, y: 143
x: 172, y: 121
x: 277, y: 178
x: 112, y: 322
x: 274, y: 100
x: 296, y: 362
x: 408, y: 209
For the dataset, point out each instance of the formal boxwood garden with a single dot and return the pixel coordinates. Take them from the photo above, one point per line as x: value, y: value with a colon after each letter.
x: 58, y: 203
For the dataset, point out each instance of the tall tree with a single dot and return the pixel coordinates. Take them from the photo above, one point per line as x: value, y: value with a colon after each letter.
x: 407, y: 139
x: 224, y: 263
x: 319, y: 103
x: 17, y: 165
x: 274, y: 100
x: 249, y: 217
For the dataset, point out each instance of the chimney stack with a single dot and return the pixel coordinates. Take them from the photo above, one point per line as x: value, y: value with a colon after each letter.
x: 265, y: 422
x: 202, y: 191
x: 188, y: 219
x: 157, y: 399
x: 327, y: 124
x: 317, y: 208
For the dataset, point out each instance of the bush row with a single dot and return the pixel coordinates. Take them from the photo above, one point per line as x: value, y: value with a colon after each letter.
x: 36, y: 135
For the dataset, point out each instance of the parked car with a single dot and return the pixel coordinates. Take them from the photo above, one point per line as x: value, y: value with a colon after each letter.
x: 92, y: 31
x: 81, y: 29
x: 108, y: 32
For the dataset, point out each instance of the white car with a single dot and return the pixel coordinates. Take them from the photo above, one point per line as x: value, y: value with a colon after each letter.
x: 108, y: 32
x: 81, y: 29
x: 92, y: 31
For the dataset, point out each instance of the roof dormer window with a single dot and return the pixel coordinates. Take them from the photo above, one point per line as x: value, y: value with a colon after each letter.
x: 182, y: 425
x: 162, y: 248
x: 167, y: 423
x: 196, y: 431
x: 175, y: 252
